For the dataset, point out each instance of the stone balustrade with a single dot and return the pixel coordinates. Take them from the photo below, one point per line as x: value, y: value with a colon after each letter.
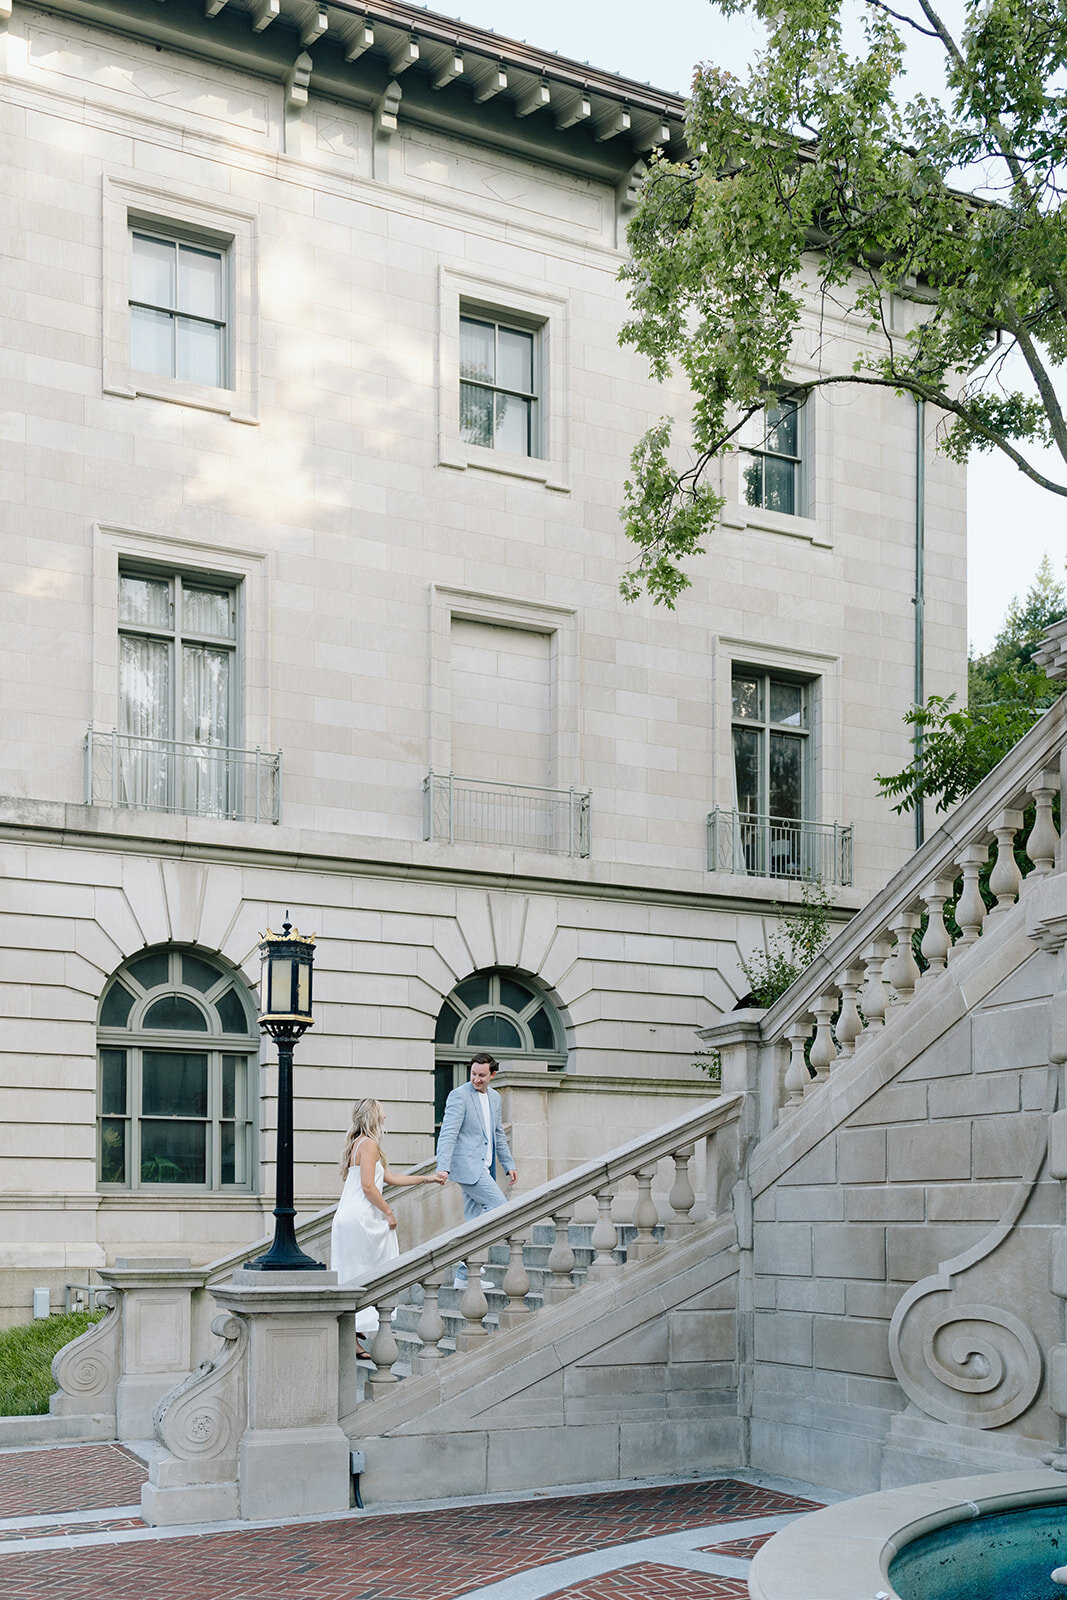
x: 870, y: 972
x: 419, y: 1277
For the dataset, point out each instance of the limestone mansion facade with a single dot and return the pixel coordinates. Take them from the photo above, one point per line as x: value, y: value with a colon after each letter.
x: 314, y: 427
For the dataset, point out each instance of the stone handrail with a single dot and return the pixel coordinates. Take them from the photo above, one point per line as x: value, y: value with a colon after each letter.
x: 431, y: 1265
x: 869, y: 970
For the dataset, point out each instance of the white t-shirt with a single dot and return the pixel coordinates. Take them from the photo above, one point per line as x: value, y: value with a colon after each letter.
x: 487, y: 1118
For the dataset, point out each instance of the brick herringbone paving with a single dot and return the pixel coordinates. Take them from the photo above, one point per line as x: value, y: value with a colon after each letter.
x: 64, y: 1530
x: 744, y: 1548
x: 78, y: 1478
x: 425, y: 1555
x: 647, y: 1580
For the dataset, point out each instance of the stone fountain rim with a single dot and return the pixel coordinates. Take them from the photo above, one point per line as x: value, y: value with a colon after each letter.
x: 843, y: 1551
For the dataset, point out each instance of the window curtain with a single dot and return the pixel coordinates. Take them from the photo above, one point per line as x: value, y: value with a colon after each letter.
x: 206, y: 725
x: 145, y: 754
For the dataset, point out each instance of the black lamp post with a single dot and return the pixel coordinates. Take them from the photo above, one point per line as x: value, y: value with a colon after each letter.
x: 285, y: 991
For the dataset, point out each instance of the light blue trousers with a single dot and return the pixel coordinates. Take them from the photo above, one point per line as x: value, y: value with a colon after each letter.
x: 478, y: 1197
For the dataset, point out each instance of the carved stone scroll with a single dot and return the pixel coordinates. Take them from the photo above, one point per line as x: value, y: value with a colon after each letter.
x: 87, y: 1370
x: 204, y: 1416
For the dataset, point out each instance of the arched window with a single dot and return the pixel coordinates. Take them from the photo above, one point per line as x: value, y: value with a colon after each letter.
x: 499, y: 1012
x: 178, y: 1046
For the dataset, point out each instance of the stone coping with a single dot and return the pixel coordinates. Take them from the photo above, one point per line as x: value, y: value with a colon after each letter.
x: 844, y: 1551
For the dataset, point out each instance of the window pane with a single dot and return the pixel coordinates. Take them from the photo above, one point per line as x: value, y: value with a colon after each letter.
x: 200, y: 282
x: 152, y: 341
x: 746, y: 770
x: 228, y: 1153
x: 174, y: 1011
x: 113, y: 1082
x: 495, y: 1032
x: 515, y: 352
x: 787, y: 775
x: 514, y: 995
x: 153, y: 271
x: 476, y: 350
x: 116, y: 1007
x: 198, y: 357
x: 205, y: 694
x: 512, y: 430
x: 144, y: 686
x: 234, y: 1086
x: 787, y: 704
x: 540, y: 1025
x: 753, y: 481
x: 112, y: 1150
x: 780, y: 480
x: 476, y: 415
x: 748, y: 698
x: 144, y: 600
x: 232, y: 1013
x: 150, y: 971
x: 782, y: 429
x: 208, y: 611
x: 173, y: 1084
x: 447, y: 1022
x: 173, y: 1152
x: 197, y: 974
x: 474, y: 992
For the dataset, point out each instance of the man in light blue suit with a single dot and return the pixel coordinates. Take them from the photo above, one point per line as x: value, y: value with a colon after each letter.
x: 472, y: 1133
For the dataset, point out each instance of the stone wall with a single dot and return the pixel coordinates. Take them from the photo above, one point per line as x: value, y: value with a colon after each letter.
x: 928, y: 1150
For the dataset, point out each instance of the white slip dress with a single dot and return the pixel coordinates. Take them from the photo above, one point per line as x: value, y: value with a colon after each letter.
x: 361, y: 1239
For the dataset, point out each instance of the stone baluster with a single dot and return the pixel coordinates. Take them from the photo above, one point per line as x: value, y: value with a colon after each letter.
x: 681, y: 1198
x: 516, y: 1284
x: 383, y: 1352
x: 605, y: 1240
x: 797, y: 1077
x: 823, y: 1051
x: 875, y: 998
x: 431, y: 1325
x: 646, y: 1216
x: 474, y: 1307
x: 1005, y: 878
x: 936, y: 941
x: 560, y: 1259
x: 970, y: 907
x: 904, y: 972
x: 849, y: 1022
x: 1041, y: 845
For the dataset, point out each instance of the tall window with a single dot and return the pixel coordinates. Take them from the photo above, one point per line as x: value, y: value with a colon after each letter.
x: 178, y: 310
x: 499, y: 1012
x: 771, y: 470
x: 772, y: 769
x: 498, y: 392
x: 178, y: 1048
x: 177, y: 693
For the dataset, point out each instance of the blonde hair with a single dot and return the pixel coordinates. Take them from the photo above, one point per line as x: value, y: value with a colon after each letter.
x: 368, y: 1122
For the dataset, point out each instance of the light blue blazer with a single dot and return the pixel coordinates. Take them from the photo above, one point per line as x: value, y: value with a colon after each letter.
x: 462, y: 1144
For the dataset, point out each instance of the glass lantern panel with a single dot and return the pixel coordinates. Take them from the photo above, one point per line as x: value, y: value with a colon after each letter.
x: 279, y: 986
x: 303, y: 988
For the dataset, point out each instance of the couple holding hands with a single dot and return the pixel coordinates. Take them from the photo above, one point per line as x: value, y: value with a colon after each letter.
x: 472, y: 1137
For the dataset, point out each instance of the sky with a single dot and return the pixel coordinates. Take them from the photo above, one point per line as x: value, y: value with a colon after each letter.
x: 659, y: 44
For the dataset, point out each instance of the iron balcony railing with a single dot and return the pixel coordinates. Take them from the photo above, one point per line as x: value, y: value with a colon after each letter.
x: 519, y: 815
x: 134, y: 772
x: 779, y: 847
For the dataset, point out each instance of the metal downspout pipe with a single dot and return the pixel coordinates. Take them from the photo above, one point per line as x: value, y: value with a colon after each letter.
x: 919, y: 597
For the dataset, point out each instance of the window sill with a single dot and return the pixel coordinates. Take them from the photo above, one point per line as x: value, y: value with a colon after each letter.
x: 532, y: 469
x: 735, y: 515
x: 145, y: 385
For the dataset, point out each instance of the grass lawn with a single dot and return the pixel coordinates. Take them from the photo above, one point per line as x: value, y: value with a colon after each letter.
x: 26, y: 1358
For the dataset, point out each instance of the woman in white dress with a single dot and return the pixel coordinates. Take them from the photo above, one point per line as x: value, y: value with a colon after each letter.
x: 364, y: 1227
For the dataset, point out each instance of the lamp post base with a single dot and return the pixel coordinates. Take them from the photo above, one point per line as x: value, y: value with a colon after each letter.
x: 284, y: 1255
